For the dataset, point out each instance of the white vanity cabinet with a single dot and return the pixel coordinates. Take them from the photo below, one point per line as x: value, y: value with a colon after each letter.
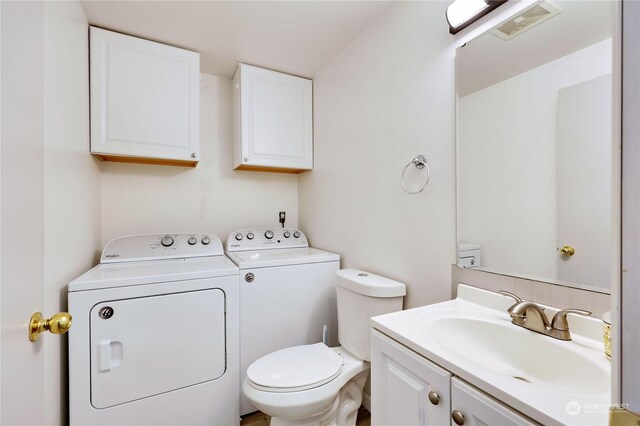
x: 476, y: 408
x: 408, y: 389
x: 401, y: 381
x: 145, y: 100
x: 273, y: 121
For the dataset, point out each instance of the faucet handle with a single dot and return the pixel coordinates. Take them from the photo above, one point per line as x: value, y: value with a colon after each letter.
x: 513, y: 296
x: 559, y: 321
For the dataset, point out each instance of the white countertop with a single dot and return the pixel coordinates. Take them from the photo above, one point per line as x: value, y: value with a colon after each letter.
x: 548, y: 404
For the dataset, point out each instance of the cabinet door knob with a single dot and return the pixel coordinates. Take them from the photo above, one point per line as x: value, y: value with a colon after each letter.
x: 457, y: 417
x: 433, y: 398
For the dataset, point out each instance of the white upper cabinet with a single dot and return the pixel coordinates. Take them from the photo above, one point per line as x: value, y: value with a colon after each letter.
x: 145, y: 101
x: 273, y: 121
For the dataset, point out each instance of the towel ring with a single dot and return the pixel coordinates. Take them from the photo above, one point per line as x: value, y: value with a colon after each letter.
x: 421, y: 163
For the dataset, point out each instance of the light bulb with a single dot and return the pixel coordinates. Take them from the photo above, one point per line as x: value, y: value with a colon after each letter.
x: 460, y: 11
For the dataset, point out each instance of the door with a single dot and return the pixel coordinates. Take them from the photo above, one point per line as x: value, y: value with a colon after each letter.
x: 406, y: 389
x: 626, y: 315
x: 583, y: 192
x: 146, y: 346
x: 21, y: 211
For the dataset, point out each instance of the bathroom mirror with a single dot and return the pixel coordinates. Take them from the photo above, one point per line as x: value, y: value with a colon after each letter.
x: 534, y: 145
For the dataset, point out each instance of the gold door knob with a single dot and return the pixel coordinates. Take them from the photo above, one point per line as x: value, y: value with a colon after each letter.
x: 57, y: 324
x: 433, y: 398
x: 567, y: 251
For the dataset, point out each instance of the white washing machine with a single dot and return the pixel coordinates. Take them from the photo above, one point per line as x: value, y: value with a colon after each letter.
x: 155, y: 334
x: 287, y: 294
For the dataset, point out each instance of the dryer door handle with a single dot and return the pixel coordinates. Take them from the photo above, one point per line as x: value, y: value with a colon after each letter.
x: 109, y: 355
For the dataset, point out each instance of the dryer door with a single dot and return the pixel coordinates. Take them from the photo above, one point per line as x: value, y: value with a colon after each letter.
x: 146, y: 346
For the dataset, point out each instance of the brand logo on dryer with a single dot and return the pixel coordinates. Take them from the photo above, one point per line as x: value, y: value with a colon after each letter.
x: 112, y: 256
x: 105, y: 312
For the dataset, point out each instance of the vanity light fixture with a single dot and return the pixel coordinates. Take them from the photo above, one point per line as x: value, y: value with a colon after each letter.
x: 462, y: 13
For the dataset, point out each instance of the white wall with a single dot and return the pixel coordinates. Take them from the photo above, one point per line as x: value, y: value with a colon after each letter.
x: 507, y: 167
x: 71, y: 183
x: 209, y: 198
x: 388, y: 96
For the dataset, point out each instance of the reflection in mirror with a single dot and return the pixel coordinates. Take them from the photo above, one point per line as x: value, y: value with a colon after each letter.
x: 534, y: 145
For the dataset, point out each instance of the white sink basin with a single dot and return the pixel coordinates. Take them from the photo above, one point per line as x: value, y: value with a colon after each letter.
x: 472, y: 337
x: 522, y: 355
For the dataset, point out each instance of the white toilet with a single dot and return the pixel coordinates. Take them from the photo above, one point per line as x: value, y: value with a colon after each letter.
x: 318, y: 385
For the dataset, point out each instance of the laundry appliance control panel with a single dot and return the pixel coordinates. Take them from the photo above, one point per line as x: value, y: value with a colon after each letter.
x: 161, y: 246
x: 266, y: 238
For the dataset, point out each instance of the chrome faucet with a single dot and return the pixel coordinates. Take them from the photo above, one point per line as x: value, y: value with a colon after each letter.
x: 532, y: 317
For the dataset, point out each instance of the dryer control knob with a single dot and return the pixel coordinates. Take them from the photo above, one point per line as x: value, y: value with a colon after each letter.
x: 250, y: 235
x: 296, y: 234
x: 166, y: 241
x: 206, y: 240
x: 192, y: 240
x: 238, y: 236
x: 268, y: 235
x: 287, y: 234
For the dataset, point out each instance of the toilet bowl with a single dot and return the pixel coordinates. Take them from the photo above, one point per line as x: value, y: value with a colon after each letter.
x: 306, y: 400
x: 318, y: 385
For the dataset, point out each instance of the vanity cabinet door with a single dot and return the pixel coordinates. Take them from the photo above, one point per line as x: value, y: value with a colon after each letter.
x: 400, y: 385
x: 479, y: 409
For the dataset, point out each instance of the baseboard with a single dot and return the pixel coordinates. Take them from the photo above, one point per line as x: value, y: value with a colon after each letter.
x: 366, y: 401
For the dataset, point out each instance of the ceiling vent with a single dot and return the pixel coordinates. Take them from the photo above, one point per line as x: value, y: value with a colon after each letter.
x: 526, y: 20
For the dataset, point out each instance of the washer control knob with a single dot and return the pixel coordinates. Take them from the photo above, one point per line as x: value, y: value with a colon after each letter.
x: 250, y: 235
x: 296, y: 234
x: 205, y: 240
x: 166, y: 241
x: 268, y: 235
x: 287, y: 234
x: 192, y: 240
x: 238, y: 236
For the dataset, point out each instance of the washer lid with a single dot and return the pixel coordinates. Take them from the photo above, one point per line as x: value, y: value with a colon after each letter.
x: 280, y: 257
x: 296, y: 367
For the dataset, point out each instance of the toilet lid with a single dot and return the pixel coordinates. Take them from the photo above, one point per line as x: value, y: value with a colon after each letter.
x: 300, y: 367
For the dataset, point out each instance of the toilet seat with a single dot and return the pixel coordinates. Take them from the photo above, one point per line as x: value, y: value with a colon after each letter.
x: 295, y: 369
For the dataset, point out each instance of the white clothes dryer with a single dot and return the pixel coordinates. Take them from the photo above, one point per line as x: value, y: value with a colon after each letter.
x: 287, y: 294
x: 155, y: 334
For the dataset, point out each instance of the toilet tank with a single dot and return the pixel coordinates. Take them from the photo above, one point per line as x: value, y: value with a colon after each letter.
x: 362, y: 295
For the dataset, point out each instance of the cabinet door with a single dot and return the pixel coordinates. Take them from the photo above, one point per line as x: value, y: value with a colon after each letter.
x: 274, y: 120
x: 479, y: 409
x: 400, y: 384
x: 144, y: 100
